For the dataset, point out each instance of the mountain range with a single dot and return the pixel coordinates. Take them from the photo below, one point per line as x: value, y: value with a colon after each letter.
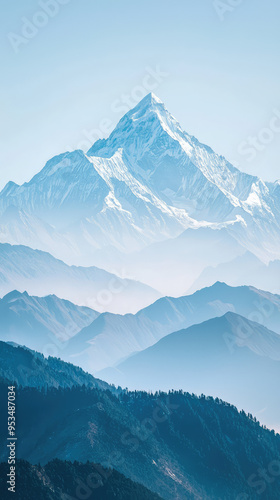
x: 221, y: 340
x: 177, y: 445
x: 97, y: 341
x: 152, y: 263
x: 245, y: 269
x: 148, y: 182
x: 183, y: 258
x: 42, y: 323
x: 111, y: 338
x: 228, y: 357
x: 39, y: 273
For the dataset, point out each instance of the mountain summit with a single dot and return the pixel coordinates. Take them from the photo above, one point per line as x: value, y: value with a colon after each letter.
x: 148, y: 182
x: 138, y: 130
x: 184, y: 172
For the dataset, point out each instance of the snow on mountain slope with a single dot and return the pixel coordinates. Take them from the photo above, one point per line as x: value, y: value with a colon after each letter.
x: 39, y: 273
x: 186, y: 172
x: 189, y: 175
x: 111, y: 338
x: 161, y: 156
x: 149, y: 181
x: 88, y: 203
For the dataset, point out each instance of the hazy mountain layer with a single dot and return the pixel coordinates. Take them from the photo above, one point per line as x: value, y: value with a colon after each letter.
x: 111, y: 338
x: 148, y: 182
x: 39, y: 273
x: 246, y: 269
x: 42, y: 323
x: 228, y: 357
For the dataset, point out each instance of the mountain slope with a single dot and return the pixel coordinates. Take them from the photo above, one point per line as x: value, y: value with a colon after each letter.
x: 111, y: 338
x: 28, y: 368
x: 58, y: 479
x: 227, y: 357
x: 43, y: 323
x: 173, y: 162
x: 184, y: 257
x: 178, y: 445
x: 147, y: 182
x: 189, y: 175
x: 39, y: 273
x: 246, y: 269
x: 91, y: 203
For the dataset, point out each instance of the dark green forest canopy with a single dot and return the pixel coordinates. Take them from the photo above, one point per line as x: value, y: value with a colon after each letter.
x: 207, y: 443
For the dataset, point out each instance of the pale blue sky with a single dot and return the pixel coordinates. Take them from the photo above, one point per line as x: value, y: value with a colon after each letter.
x: 223, y: 83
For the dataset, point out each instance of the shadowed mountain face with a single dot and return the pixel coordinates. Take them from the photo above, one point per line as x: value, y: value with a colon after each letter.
x: 39, y: 273
x: 111, y: 338
x: 28, y: 368
x: 177, y: 445
x: 148, y: 182
x: 227, y: 357
x: 59, y: 480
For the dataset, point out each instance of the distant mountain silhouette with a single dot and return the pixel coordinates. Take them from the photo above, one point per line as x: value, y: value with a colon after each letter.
x: 228, y: 357
x: 39, y: 273
x: 111, y: 338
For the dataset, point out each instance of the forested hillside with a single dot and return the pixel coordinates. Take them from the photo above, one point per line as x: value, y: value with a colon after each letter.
x: 184, y: 446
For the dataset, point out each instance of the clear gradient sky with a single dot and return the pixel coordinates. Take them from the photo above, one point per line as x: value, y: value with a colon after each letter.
x: 223, y: 82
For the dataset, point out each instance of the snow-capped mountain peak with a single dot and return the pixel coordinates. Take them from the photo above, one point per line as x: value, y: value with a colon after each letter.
x: 170, y: 160
x: 152, y: 137
x: 140, y: 129
x: 148, y: 181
